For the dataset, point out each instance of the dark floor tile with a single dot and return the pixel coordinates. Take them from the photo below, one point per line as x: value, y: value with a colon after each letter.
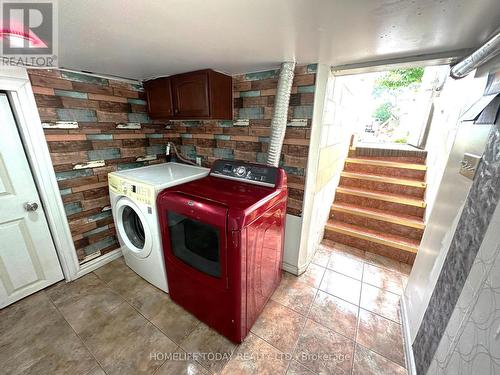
x: 381, y: 335
x: 181, y: 364
x: 122, y: 280
x: 112, y: 270
x: 279, y: 325
x: 323, y: 350
x: 335, y: 313
x: 295, y: 294
x: 296, y: 368
x: 35, y: 339
x: 80, y: 300
x: 367, y: 362
x: 96, y: 371
x: 169, y: 317
x: 124, y: 342
x: 256, y: 357
x: 205, y: 340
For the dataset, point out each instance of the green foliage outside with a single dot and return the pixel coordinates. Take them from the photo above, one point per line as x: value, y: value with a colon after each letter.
x: 383, y: 112
x: 390, y: 83
x: 399, y: 78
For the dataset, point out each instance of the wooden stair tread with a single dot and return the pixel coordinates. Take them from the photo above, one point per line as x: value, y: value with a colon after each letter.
x: 373, y: 213
x: 385, y: 163
x: 391, y: 240
x: 389, y: 197
x: 385, y: 179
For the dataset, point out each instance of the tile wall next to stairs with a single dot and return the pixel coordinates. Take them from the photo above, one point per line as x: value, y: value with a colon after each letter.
x: 113, y: 132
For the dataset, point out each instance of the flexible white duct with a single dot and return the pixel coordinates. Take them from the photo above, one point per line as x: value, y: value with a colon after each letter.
x: 278, y: 124
x: 484, y: 53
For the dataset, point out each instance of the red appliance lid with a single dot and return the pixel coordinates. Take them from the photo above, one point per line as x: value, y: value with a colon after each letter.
x: 232, y: 194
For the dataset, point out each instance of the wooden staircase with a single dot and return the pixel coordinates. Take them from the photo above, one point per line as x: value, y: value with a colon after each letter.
x: 379, y: 204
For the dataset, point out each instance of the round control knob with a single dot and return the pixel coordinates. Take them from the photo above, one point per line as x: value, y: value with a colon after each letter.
x: 241, y: 171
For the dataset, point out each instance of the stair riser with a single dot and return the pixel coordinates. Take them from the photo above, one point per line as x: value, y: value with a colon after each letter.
x: 390, y: 152
x: 400, y: 159
x: 410, y: 191
x: 389, y: 207
x: 385, y: 171
x: 387, y: 251
x: 379, y: 225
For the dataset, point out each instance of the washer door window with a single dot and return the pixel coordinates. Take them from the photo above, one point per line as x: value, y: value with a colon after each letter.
x: 133, y: 228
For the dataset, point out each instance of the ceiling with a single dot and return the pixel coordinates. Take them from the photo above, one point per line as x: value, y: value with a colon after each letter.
x: 147, y: 38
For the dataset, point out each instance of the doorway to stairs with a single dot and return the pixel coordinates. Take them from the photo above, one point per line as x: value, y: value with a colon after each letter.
x: 390, y: 178
x: 380, y: 202
x: 393, y: 107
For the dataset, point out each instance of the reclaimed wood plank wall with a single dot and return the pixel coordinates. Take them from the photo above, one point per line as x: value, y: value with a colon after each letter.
x: 95, y: 125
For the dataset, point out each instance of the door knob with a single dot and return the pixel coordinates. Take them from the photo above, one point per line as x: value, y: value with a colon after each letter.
x: 33, y: 206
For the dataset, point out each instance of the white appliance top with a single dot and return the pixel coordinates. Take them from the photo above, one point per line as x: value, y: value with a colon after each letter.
x: 163, y: 175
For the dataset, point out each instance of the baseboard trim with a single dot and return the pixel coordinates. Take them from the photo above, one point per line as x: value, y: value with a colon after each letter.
x: 289, y: 268
x: 410, y: 360
x: 99, y: 262
x: 294, y: 270
x: 303, y: 268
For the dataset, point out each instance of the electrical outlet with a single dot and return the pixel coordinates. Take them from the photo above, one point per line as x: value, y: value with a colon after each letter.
x: 469, y: 164
x: 198, y: 160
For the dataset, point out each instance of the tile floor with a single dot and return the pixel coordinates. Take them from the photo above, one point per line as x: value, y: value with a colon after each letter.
x: 341, y: 316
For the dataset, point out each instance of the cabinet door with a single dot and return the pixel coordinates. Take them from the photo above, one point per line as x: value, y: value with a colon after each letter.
x: 191, y: 95
x: 159, y: 96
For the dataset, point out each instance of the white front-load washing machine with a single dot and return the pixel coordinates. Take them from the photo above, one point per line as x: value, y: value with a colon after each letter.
x: 133, y: 202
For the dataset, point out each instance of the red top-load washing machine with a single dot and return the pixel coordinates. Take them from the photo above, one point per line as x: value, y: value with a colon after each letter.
x: 223, y: 238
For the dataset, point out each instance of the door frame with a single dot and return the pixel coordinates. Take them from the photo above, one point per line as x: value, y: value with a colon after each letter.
x: 15, y: 81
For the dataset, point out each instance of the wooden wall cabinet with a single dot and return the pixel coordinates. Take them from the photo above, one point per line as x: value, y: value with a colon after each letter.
x: 200, y: 95
x: 159, y: 98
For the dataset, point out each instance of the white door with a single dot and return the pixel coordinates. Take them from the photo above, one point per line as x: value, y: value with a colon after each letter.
x: 28, y: 258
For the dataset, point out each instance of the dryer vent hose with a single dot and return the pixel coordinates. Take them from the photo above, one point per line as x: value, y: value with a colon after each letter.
x: 278, y: 123
x: 486, y: 52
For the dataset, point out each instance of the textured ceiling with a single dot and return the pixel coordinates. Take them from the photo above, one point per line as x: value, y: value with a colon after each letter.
x: 142, y: 39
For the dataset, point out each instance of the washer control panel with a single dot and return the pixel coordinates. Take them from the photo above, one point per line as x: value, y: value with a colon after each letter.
x: 238, y: 170
x: 136, y: 191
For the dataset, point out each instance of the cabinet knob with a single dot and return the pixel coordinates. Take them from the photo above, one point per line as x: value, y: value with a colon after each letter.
x: 176, y: 110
